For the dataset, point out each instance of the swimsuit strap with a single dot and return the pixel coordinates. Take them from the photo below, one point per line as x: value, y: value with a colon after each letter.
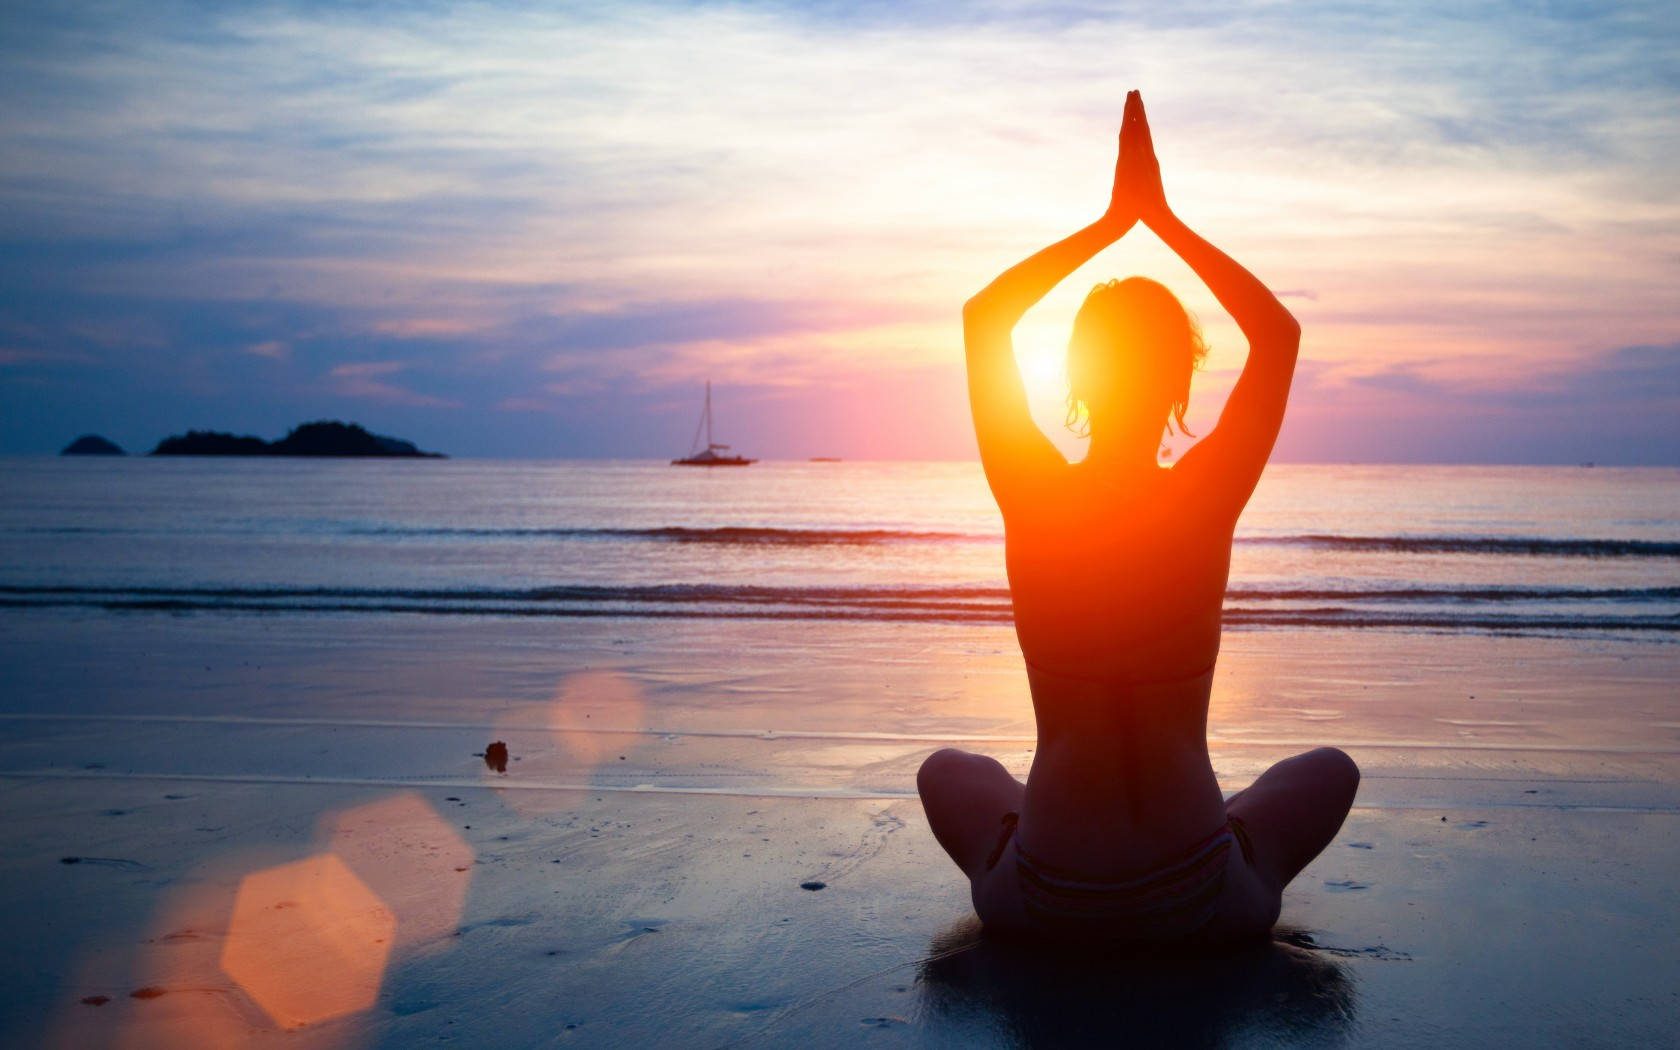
x: 1010, y: 819
x: 1170, y: 902
x: 1239, y: 831
x: 1102, y: 680
x: 1196, y: 858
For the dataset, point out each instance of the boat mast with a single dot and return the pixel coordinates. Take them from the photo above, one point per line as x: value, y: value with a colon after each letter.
x: 708, y: 413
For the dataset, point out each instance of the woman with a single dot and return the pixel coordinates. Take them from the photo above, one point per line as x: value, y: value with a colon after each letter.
x: 1117, y: 567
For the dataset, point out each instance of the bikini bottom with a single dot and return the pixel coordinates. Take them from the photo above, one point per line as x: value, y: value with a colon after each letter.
x: 1170, y: 903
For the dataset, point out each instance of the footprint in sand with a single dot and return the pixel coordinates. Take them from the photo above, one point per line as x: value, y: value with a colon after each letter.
x: 1345, y: 886
x: 881, y: 825
x: 1303, y: 939
x: 640, y: 928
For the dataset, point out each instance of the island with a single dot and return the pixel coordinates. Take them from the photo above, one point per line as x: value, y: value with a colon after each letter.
x: 323, y: 438
x: 92, y: 445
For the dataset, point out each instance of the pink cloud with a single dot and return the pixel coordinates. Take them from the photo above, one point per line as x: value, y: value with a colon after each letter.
x: 357, y: 380
x: 575, y: 388
x: 368, y: 368
x: 424, y: 327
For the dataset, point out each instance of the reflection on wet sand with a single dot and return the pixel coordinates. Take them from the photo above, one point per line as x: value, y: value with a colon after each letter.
x: 419, y: 866
x: 568, y: 738
x: 253, y: 948
x: 1272, y: 993
x: 308, y: 941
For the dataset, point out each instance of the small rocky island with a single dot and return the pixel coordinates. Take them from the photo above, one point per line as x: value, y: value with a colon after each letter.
x: 92, y: 445
x: 324, y: 438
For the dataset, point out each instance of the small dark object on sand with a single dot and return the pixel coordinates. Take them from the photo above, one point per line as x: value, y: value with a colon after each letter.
x: 812, y: 885
x: 496, y: 757
x: 151, y: 991
x: 69, y: 860
x: 95, y: 1000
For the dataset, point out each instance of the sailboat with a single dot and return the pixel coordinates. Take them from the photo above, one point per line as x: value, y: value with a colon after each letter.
x: 708, y: 456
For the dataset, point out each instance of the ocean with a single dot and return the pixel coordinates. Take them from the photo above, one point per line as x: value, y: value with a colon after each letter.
x: 1540, y: 550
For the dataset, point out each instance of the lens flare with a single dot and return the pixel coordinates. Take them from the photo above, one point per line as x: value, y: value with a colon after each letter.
x: 417, y: 864
x: 593, y: 725
x: 308, y: 941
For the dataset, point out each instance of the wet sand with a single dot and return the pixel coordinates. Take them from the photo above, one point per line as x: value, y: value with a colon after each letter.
x: 280, y: 831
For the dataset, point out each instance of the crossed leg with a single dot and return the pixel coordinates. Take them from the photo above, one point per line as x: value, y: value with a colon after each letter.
x: 965, y: 797
x: 1293, y: 811
x: 1289, y: 814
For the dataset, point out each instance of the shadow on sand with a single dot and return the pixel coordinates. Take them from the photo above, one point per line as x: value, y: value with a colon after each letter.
x: 1274, y: 993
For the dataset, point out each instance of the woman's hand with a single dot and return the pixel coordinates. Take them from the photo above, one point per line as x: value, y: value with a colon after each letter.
x: 1137, y: 174
x: 1122, y: 212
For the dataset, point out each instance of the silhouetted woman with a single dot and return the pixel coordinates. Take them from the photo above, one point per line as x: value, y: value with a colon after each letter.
x: 1117, y: 567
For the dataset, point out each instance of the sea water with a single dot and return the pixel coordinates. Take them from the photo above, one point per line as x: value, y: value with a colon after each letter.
x: 1524, y: 549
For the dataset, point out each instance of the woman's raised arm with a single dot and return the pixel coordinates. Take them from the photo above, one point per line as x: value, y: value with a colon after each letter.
x: 1227, y: 463
x: 1016, y: 455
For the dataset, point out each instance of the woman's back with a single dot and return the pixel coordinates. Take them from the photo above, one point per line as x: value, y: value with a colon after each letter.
x: 1118, y: 579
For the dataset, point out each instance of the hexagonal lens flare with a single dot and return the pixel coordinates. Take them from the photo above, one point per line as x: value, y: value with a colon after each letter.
x: 308, y: 941
x: 417, y: 864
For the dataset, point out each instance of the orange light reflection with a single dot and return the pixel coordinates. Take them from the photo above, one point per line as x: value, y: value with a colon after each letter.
x: 572, y: 737
x: 417, y: 864
x: 308, y: 941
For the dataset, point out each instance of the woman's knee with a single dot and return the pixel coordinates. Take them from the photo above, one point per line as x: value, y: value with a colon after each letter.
x: 939, y: 768
x: 1337, y: 771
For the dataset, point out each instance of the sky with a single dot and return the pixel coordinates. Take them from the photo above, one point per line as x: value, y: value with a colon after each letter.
x: 525, y: 230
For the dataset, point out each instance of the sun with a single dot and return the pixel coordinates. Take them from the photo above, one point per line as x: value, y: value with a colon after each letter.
x: 1043, y: 371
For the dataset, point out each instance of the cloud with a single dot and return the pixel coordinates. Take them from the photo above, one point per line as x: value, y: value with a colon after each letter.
x: 11, y: 355
x: 368, y: 368
x: 1605, y: 380
x: 425, y: 327
x: 1610, y: 406
x: 795, y: 197
x: 575, y: 388
x: 360, y: 380
x: 524, y: 404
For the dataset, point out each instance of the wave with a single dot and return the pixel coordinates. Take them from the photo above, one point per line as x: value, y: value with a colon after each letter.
x: 1570, y: 547
x: 1422, y: 608
x: 756, y: 535
x: 722, y: 534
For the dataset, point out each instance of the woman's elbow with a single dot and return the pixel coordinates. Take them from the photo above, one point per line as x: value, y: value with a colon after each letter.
x: 1285, y: 336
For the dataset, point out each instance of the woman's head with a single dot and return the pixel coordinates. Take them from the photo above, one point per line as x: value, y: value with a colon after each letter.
x: 1133, y: 349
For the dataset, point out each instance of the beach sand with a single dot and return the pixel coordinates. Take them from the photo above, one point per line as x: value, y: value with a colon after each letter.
x: 264, y: 830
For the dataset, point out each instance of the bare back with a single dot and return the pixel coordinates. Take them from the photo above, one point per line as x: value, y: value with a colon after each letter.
x: 1118, y: 579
